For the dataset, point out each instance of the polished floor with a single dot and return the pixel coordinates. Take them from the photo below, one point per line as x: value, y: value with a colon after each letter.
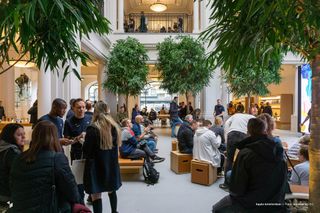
x: 174, y: 193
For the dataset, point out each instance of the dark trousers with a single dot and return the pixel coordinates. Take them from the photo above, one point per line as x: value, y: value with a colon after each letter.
x: 226, y: 205
x: 233, y: 138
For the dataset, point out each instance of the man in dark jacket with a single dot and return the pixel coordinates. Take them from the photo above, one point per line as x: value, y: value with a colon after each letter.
x: 259, y: 175
x: 267, y: 109
x: 185, y: 137
x: 174, y: 116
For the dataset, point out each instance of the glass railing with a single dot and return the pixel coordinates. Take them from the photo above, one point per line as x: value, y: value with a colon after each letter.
x: 158, y: 23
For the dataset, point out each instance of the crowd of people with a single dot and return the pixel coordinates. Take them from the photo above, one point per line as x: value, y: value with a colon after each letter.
x: 94, y: 136
x: 251, y: 159
x: 255, y: 171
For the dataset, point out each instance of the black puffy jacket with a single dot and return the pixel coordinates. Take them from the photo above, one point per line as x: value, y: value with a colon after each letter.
x: 259, y: 176
x: 8, y: 152
x: 32, y: 183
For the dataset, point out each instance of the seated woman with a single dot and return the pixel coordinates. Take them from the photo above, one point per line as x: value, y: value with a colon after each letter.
x: 131, y: 148
x: 300, y: 173
x: 41, y: 178
x: 12, y: 139
x: 102, y: 172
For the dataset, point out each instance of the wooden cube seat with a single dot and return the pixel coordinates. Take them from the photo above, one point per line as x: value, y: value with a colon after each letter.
x: 180, y: 162
x: 203, y: 172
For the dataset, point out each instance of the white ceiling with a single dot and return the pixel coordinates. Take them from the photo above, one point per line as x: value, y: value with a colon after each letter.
x: 174, y: 6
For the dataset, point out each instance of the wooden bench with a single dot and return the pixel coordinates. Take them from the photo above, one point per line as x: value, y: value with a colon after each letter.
x: 130, y: 166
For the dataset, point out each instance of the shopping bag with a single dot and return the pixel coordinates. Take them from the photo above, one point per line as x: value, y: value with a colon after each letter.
x: 77, y: 169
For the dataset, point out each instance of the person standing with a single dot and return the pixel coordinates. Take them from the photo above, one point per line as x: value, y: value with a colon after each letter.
x: 2, y: 112
x: 122, y: 114
x: 100, y: 148
x: 236, y: 131
x: 143, y: 26
x: 12, y: 139
x: 33, y: 112
x: 219, y: 109
x: 267, y: 109
x: 89, y: 108
x: 75, y: 129
x: 174, y: 116
x: 58, y: 109
x: 135, y: 112
x: 70, y: 112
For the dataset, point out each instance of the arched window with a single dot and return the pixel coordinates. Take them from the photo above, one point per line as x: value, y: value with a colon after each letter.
x: 93, y: 92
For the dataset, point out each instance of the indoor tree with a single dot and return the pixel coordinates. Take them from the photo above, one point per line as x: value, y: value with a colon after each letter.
x: 241, y: 27
x: 182, y: 65
x: 253, y: 80
x: 127, y: 70
x: 46, y: 32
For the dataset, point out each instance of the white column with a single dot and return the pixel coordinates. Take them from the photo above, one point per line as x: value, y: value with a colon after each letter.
x: 7, y: 90
x: 196, y: 16
x: 210, y: 95
x: 101, y: 78
x: 44, y: 91
x: 120, y: 16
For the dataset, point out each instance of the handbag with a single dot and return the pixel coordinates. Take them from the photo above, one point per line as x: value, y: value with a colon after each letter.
x: 77, y: 169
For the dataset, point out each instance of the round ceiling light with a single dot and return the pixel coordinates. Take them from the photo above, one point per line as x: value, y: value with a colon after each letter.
x: 158, y: 7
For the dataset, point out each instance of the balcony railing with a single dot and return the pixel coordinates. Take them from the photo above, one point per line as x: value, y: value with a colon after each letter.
x: 158, y: 23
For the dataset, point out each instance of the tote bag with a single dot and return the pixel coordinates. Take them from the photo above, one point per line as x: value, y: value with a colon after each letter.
x: 77, y: 169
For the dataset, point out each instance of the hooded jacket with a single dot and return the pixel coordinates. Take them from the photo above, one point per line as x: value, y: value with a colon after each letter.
x: 205, y: 146
x: 8, y: 152
x: 259, y: 176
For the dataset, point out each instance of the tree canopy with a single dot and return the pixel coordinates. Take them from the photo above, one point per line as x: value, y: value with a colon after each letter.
x: 254, y: 80
x: 47, y: 31
x: 246, y: 31
x: 127, y: 70
x: 183, y: 67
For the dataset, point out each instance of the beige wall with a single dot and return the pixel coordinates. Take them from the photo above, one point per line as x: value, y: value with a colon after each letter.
x: 287, y: 85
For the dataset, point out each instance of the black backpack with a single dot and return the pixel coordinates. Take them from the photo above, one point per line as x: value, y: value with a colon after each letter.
x: 150, y: 174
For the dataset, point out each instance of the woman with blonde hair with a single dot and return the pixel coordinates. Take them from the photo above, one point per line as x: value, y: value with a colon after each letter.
x: 102, y: 172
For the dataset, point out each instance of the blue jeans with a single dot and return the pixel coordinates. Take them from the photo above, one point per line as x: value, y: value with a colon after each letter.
x: 173, y: 123
x: 151, y: 144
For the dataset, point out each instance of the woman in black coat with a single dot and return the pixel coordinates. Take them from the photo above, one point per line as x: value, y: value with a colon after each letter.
x: 41, y: 178
x: 102, y: 172
x: 12, y: 139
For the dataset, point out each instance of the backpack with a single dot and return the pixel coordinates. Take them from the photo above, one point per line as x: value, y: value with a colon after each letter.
x: 150, y: 174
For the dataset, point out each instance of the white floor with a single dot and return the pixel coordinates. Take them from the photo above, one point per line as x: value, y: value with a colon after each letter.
x: 174, y: 193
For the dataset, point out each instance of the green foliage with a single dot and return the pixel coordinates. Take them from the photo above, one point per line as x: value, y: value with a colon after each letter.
x: 183, y: 66
x: 253, y: 80
x: 247, y: 31
x: 47, y: 31
x: 127, y: 71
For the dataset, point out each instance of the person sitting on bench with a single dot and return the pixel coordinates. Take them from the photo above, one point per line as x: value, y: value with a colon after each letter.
x: 131, y: 148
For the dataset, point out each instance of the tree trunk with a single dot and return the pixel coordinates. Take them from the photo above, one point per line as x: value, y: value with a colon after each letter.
x: 127, y: 102
x: 187, y: 100
x: 249, y: 103
x: 314, y: 146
